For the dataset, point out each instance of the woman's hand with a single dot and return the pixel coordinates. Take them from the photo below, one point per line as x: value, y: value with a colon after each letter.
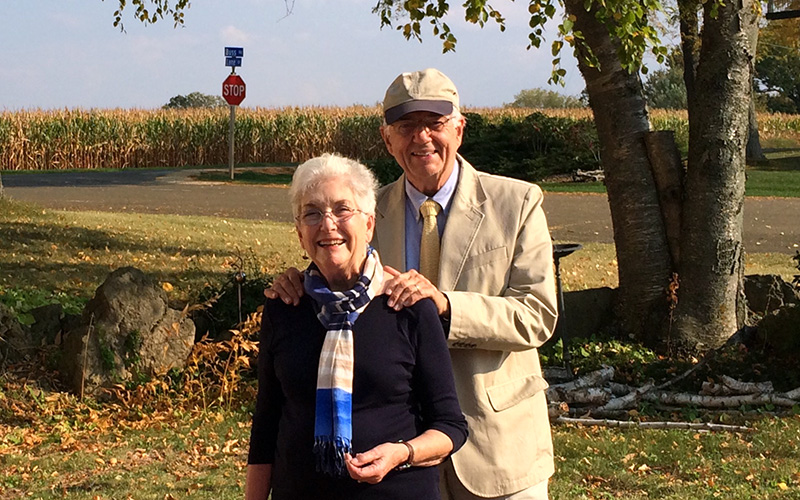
x: 373, y: 465
x: 288, y: 287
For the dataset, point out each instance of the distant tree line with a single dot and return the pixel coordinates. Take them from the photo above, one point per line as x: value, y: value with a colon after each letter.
x: 195, y: 100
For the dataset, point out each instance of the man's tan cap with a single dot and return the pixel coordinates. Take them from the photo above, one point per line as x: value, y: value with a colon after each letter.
x: 426, y: 90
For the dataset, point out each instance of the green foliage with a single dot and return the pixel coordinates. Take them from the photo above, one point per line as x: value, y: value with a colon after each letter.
x: 150, y: 11
x: 626, y: 21
x: 240, y: 292
x: 665, y: 89
x: 131, y: 347
x: 195, y: 100
x: 107, y: 357
x: 543, y: 98
x: 530, y: 148
x: 386, y: 170
x: 22, y: 301
x: 777, y: 64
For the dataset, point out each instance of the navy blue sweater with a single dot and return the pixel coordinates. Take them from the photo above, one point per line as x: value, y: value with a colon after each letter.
x: 402, y: 386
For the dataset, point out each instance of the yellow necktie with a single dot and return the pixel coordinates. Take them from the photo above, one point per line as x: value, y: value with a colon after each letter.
x: 429, y: 243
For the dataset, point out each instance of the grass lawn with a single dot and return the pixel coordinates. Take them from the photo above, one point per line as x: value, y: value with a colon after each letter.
x: 169, y: 446
x: 81, y: 453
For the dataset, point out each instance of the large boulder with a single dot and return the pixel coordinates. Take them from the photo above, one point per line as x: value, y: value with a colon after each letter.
x: 16, y: 342
x: 127, y: 332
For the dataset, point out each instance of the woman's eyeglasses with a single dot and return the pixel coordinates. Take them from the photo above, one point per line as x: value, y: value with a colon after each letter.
x: 314, y: 216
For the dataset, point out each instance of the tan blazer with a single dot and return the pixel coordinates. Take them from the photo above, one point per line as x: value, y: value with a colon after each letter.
x: 497, y: 271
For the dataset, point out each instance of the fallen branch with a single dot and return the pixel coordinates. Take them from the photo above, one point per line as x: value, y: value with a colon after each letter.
x: 593, y: 379
x: 685, y: 399
x: 628, y: 401
x: 729, y: 386
x: 586, y: 395
x: 654, y: 425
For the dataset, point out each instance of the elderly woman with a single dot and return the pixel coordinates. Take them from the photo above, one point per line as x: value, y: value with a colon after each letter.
x: 355, y: 400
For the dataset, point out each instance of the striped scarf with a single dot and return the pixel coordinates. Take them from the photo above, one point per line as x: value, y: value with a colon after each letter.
x: 333, y: 429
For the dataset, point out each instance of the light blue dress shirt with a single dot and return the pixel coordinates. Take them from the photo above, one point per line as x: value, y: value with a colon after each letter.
x: 414, y: 200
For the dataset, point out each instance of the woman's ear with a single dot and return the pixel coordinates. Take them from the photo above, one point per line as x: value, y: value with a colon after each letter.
x: 370, y: 227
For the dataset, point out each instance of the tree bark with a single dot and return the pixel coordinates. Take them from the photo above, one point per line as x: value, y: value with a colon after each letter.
x: 618, y: 104
x: 690, y: 38
x: 665, y: 160
x: 753, y: 153
x: 710, y: 306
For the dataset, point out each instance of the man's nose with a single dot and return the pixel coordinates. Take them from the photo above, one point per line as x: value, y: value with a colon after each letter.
x: 422, y: 133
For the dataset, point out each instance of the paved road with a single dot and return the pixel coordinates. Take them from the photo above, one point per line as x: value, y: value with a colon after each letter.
x: 771, y: 224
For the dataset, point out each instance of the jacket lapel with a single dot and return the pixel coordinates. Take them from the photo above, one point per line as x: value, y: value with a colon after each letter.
x: 463, y: 223
x: 390, y: 229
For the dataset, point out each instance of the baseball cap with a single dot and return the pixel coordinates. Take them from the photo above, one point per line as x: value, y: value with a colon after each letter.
x: 426, y: 90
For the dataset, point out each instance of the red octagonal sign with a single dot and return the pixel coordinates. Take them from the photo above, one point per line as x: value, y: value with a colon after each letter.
x: 233, y: 90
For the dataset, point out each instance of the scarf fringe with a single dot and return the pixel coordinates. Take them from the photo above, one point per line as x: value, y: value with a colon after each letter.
x: 330, y: 455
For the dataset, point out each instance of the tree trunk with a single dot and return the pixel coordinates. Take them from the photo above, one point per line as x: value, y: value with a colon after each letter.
x: 710, y: 305
x: 754, y: 153
x: 620, y: 116
x: 665, y: 160
x: 690, y: 38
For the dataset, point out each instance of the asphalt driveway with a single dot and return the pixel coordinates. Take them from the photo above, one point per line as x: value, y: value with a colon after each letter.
x: 771, y: 224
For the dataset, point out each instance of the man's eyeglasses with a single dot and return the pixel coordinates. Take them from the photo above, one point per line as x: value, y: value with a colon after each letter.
x: 411, y: 127
x: 314, y: 216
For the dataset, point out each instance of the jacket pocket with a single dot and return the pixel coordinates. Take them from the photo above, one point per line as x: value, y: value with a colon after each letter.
x: 508, y: 394
x: 486, y: 257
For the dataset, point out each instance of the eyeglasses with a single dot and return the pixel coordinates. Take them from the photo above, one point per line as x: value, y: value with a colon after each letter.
x: 313, y: 217
x: 411, y: 127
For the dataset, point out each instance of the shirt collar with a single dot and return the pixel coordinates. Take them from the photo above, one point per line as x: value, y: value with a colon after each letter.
x: 442, y: 197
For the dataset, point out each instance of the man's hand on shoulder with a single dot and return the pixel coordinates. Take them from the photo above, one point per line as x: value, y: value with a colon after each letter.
x: 288, y: 287
x: 406, y: 289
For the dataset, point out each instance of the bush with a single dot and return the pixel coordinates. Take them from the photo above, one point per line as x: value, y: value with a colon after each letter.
x: 221, y: 312
x: 531, y: 148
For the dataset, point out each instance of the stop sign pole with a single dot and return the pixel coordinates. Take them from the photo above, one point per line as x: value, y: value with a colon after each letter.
x: 233, y: 91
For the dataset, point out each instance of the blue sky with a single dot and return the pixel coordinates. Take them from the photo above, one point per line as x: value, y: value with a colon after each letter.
x: 67, y: 54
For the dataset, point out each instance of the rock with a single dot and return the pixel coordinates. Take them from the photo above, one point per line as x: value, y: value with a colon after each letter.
x: 46, y: 323
x: 585, y: 312
x: 16, y: 342
x: 768, y: 292
x: 127, y: 331
x: 781, y: 330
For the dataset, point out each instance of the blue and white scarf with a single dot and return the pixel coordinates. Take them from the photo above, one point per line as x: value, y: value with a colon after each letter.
x: 333, y: 426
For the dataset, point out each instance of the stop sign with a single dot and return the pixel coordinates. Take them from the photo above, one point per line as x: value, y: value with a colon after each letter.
x: 233, y: 90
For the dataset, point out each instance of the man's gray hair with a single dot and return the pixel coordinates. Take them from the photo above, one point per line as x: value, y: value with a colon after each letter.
x: 315, y: 171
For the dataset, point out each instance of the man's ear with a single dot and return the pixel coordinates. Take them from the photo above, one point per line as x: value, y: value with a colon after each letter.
x: 385, y: 135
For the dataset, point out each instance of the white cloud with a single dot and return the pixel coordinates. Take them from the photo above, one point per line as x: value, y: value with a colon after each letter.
x: 232, y: 34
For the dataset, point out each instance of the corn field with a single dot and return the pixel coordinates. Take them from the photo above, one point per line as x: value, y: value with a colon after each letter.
x: 90, y: 139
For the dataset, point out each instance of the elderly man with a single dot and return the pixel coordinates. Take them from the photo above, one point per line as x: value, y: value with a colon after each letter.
x: 478, y: 246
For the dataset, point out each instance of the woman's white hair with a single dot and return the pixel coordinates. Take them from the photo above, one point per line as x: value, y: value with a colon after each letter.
x: 315, y: 171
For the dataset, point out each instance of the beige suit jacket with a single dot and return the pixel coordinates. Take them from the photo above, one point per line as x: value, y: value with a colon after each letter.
x: 497, y: 271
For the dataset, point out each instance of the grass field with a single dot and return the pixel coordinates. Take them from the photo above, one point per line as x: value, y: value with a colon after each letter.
x: 162, y: 442
x: 86, y: 454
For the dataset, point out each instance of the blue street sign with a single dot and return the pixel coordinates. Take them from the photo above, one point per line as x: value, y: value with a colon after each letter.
x: 234, y: 52
x: 233, y: 61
